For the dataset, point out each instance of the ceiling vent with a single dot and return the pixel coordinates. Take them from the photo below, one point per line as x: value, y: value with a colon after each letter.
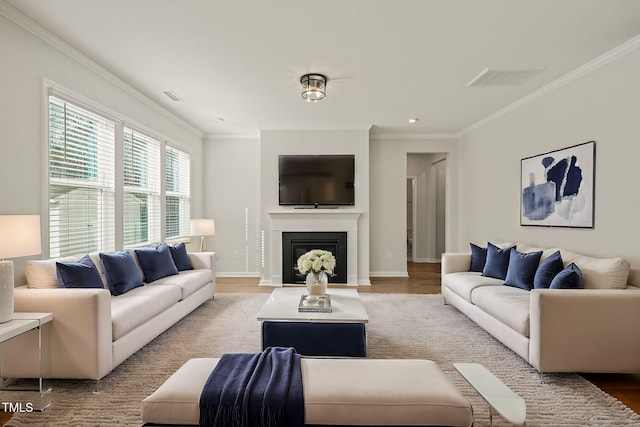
x: 502, y: 77
x: 171, y: 94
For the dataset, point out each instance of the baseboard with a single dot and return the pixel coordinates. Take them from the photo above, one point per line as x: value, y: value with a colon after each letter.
x: 426, y: 260
x: 237, y: 274
x: 264, y: 282
x: 388, y: 274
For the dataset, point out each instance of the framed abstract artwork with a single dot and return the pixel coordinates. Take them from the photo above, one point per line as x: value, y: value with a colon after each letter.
x: 557, y: 188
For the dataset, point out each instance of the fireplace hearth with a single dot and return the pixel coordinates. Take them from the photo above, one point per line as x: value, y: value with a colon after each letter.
x: 295, y: 244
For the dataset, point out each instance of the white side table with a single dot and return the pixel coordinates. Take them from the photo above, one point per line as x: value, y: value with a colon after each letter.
x: 22, y: 323
x: 499, y: 397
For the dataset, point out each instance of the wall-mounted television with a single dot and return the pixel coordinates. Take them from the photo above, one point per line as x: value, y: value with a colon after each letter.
x: 316, y: 180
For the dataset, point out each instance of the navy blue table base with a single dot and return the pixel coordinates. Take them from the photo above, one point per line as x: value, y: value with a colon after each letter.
x: 317, y: 339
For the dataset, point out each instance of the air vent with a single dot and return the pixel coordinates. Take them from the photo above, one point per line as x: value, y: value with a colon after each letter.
x: 171, y: 94
x: 502, y: 77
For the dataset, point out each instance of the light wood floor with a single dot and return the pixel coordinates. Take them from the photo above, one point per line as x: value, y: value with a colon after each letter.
x: 424, y: 278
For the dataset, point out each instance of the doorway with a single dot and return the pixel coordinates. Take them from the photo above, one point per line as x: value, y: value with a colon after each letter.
x: 425, y: 206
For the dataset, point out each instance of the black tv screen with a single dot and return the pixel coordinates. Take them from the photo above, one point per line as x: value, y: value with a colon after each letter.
x: 316, y: 180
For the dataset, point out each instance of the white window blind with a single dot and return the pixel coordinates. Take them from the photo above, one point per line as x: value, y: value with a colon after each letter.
x: 81, y: 180
x: 177, y: 192
x: 142, y: 186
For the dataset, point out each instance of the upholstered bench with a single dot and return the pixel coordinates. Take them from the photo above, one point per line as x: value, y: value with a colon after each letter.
x: 336, y: 392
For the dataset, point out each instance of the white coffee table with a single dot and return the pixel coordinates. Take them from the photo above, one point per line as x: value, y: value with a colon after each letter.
x: 341, y: 333
x: 282, y: 306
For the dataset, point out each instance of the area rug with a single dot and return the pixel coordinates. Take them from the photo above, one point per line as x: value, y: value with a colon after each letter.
x: 400, y: 326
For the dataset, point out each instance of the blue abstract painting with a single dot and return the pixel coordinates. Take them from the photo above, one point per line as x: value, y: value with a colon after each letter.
x: 557, y: 188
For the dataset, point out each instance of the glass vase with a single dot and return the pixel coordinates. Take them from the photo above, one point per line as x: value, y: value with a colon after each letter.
x: 317, y: 283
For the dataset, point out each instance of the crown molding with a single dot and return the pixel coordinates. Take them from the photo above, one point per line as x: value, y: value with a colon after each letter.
x: 226, y: 137
x: 598, y: 62
x: 380, y: 136
x: 412, y: 136
x: 28, y: 24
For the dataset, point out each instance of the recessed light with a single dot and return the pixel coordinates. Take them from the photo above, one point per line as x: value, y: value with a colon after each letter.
x: 413, y: 120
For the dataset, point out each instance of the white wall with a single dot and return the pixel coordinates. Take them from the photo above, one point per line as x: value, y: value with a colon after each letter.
x: 235, y: 179
x: 274, y: 143
x: 26, y: 60
x: 232, y: 199
x: 388, y: 174
x: 604, y: 106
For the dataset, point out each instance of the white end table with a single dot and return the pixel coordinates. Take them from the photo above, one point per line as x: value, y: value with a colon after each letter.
x: 22, y: 323
x: 499, y: 397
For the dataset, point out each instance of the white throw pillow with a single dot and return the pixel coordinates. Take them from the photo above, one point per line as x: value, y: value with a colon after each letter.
x: 603, y: 273
x: 41, y: 274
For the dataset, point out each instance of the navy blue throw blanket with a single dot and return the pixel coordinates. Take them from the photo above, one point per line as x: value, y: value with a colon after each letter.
x: 254, y: 390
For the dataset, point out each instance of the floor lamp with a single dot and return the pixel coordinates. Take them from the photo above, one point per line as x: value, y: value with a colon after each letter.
x: 203, y: 227
x: 19, y: 236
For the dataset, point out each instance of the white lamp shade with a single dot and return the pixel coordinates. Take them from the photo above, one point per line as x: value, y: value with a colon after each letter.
x: 203, y: 227
x: 19, y: 236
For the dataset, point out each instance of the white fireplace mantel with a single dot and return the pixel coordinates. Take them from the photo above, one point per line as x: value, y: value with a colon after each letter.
x: 301, y: 220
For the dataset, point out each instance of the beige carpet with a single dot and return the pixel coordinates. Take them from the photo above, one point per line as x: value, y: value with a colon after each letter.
x: 401, y: 326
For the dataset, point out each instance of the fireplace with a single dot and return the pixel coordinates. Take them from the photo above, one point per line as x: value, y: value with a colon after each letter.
x: 295, y: 244
x: 312, y: 221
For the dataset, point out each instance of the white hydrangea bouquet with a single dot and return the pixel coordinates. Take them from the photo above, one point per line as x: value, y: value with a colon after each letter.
x: 316, y: 261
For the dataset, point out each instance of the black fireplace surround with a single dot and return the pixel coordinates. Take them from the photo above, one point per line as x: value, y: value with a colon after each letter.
x: 295, y: 244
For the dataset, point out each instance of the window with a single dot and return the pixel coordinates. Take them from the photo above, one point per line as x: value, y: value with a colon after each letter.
x: 81, y: 180
x: 83, y: 143
x: 141, y: 204
x: 177, y: 187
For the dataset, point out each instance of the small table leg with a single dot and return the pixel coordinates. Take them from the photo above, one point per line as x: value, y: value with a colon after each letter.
x: 45, y: 403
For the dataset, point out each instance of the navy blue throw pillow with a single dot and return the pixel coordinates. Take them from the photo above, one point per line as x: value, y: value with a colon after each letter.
x: 156, y: 263
x: 497, y: 261
x: 522, y: 269
x: 81, y: 274
x: 569, y: 278
x: 121, y: 271
x: 478, y: 258
x: 547, y: 270
x: 180, y: 257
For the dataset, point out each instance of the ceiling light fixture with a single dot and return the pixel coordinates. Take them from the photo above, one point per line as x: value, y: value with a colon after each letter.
x: 313, y: 87
x: 413, y: 120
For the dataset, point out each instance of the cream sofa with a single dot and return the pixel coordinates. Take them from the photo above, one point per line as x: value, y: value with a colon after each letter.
x: 556, y: 330
x: 92, y: 331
